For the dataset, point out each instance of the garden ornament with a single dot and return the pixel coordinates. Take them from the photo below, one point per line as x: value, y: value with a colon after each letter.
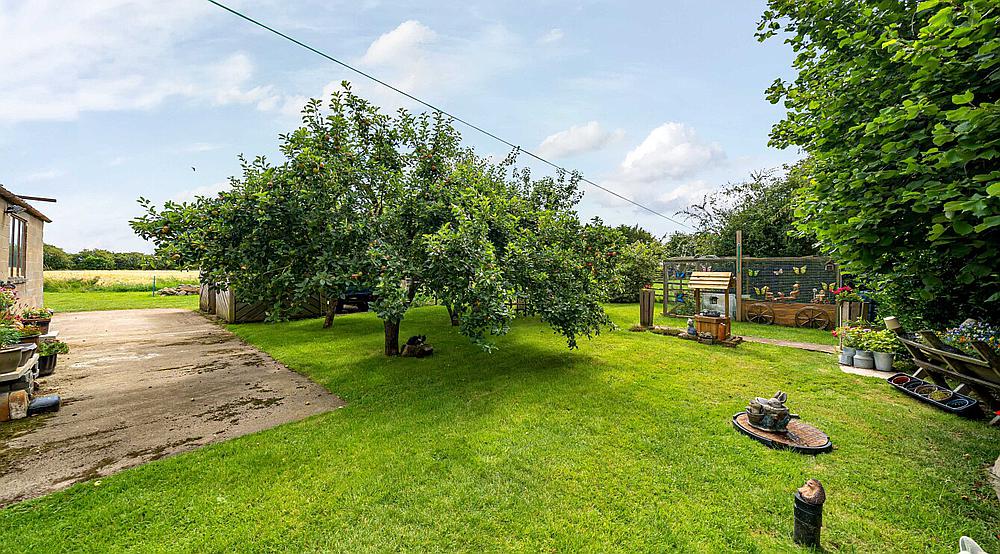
x: 969, y: 546
x: 808, y: 513
x: 770, y: 414
x: 691, y: 330
x: 417, y: 347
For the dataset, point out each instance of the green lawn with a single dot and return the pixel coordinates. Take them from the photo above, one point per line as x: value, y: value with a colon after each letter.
x: 87, y: 301
x: 623, y: 445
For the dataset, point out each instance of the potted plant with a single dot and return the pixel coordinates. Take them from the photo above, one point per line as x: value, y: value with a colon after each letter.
x: 848, y: 344
x: 38, y: 317
x: 10, y: 349
x: 883, y: 345
x: 962, y: 337
x: 863, y: 356
x: 849, y: 303
x: 8, y: 299
x: 30, y: 334
x: 48, y: 355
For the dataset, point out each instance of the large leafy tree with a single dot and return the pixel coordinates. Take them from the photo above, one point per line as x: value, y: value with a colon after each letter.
x: 393, y: 204
x: 760, y: 207
x: 896, y: 102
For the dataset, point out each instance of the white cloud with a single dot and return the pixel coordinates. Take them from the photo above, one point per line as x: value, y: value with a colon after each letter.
x: 554, y: 35
x: 578, y: 139
x: 61, y: 59
x: 421, y: 61
x: 671, y: 150
x: 409, y: 36
x: 664, y: 170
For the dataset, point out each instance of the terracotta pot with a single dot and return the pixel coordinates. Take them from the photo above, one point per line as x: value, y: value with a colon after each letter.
x: 31, y: 339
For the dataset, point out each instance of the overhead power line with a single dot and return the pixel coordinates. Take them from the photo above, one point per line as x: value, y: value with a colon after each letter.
x: 439, y: 110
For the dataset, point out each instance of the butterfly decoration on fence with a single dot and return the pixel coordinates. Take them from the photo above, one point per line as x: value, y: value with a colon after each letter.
x: 828, y: 286
x: 680, y: 298
x: 753, y: 272
x: 779, y: 272
x: 762, y: 291
x: 799, y: 270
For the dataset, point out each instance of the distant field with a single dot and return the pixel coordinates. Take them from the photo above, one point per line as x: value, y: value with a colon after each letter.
x: 115, y: 281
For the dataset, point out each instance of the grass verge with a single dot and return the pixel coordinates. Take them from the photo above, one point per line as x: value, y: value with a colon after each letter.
x: 88, y: 301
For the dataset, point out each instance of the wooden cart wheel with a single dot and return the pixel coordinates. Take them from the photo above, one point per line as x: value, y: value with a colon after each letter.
x: 811, y: 317
x: 760, y: 313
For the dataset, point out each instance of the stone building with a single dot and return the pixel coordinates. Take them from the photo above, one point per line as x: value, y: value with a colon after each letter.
x: 21, y: 247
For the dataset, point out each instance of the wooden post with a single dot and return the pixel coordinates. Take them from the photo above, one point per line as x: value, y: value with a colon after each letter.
x: 666, y: 293
x: 739, y: 276
x: 647, y: 300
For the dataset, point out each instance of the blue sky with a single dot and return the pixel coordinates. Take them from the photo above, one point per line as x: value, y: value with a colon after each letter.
x: 107, y: 100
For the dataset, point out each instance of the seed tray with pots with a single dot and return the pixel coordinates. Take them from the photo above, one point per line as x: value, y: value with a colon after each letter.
x: 935, y: 395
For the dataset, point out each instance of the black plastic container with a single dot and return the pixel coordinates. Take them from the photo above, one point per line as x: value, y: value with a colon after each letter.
x: 958, y: 403
x: 47, y: 365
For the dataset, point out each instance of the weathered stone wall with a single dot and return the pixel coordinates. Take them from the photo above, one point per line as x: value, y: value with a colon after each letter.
x: 30, y: 290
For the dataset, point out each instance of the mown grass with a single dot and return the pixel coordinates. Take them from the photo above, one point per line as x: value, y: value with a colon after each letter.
x: 623, y: 445
x: 630, y: 312
x: 115, y: 281
x: 100, y: 300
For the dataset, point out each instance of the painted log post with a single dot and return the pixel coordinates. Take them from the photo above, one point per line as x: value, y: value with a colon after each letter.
x: 809, y: 499
x: 647, y: 301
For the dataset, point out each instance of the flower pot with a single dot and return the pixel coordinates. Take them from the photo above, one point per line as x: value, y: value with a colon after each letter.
x: 846, y: 359
x: 941, y: 395
x: 47, y: 365
x: 30, y: 339
x: 863, y: 359
x: 10, y: 358
x: 26, y: 352
x: 883, y: 360
x: 42, y: 324
x: 849, y: 350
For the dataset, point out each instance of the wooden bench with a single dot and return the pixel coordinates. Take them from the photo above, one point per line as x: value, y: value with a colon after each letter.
x: 935, y: 361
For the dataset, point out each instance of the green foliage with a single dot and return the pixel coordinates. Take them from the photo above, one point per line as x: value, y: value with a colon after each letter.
x: 623, y: 259
x: 52, y: 347
x: 9, y: 336
x: 393, y: 204
x: 761, y: 207
x: 635, y: 233
x: 896, y: 103
x: 55, y: 258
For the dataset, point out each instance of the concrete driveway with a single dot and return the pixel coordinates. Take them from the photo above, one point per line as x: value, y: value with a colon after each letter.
x: 139, y: 385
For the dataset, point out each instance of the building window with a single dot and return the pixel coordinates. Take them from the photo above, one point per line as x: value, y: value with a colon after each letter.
x: 18, y: 247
